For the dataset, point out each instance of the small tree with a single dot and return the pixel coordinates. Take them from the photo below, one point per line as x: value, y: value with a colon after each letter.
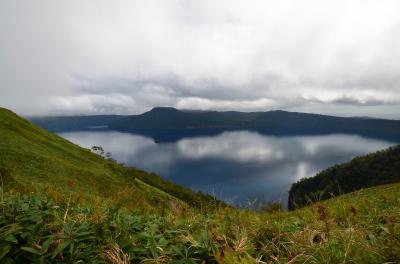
x: 98, y: 150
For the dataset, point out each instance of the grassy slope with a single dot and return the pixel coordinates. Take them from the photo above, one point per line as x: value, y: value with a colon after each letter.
x: 35, y: 159
x: 361, y: 227
x: 358, y: 227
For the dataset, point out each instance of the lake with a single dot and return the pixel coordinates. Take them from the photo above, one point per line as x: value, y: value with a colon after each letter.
x: 243, y: 168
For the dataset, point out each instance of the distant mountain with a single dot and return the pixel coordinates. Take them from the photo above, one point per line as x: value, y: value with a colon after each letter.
x: 170, y: 124
x: 378, y: 168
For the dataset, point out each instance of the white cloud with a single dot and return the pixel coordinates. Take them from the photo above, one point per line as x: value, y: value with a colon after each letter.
x: 239, y: 146
x: 224, y: 54
x: 205, y: 104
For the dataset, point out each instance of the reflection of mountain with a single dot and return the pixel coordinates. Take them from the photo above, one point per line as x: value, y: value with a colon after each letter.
x: 165, y: 124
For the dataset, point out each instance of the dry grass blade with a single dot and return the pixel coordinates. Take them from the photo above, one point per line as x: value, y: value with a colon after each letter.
x: 115, y: 255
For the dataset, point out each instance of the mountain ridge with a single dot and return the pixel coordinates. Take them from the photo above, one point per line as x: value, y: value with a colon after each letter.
x: 167, y: 124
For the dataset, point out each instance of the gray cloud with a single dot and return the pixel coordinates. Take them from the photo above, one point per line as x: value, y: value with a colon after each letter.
x: 72, y: 57
x: 354, y: 101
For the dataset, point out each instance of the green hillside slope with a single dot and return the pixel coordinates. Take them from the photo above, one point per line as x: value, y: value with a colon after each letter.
x: 373, y: 169
x: 35, y: 159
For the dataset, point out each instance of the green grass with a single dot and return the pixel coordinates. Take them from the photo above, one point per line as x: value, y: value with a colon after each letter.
x: 361, y: 227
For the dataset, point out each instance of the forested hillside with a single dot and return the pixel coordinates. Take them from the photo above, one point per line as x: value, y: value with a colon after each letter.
x: 373, y: 169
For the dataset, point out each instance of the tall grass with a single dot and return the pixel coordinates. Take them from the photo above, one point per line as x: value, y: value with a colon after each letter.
x: 363, y: 227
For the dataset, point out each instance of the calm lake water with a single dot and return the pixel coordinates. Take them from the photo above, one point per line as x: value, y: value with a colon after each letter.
x: 243, y: 168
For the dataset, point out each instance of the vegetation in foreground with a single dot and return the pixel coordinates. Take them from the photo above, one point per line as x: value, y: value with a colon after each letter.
x: 361, y: 227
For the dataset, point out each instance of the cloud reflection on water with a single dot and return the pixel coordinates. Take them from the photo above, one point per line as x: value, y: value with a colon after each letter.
x: 234, y: 166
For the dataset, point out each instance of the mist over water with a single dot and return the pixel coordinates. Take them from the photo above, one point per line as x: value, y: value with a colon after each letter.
x: 242, y: 168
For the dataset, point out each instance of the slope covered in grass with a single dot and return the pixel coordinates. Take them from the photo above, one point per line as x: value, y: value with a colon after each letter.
x: 377, y: 168
x: 35, y: 159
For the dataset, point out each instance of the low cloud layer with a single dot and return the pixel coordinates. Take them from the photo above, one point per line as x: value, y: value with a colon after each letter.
x: 90, y: 57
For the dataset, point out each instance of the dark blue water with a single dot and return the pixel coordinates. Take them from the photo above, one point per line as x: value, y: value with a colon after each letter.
x: 243, y: 168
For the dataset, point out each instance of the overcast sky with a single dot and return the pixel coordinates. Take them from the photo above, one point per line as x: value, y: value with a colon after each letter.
x: 68, y: 57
